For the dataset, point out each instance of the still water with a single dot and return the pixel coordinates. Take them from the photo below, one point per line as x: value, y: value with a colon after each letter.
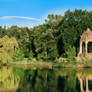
x: 33, y: 79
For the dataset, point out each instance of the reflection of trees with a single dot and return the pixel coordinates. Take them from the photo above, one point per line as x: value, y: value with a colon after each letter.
x: 61, y: 83
x: 28, y: 81
x: 68, y: 83
x: 42, y: 80
x: 47, y: 80
x: 8, y: 81
x: 38, y: 81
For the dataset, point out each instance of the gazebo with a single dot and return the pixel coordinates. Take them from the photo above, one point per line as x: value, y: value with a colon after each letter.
x: 85, y: 41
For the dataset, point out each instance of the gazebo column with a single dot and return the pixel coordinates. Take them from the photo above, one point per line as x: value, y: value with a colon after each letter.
x: 86, y: 48
x: 87, y: 90
x: 81, y: 47
x: 80, y: 52
x: 81, y: 85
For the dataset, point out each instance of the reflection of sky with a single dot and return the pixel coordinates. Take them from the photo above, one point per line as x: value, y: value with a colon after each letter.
x: 37, y: 9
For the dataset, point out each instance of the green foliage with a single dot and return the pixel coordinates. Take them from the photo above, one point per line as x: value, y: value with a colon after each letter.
x: 58, y: 36
x: 44, y: 43
x: 18, y: 56
x: 8, y: 46
x: 70, y: 53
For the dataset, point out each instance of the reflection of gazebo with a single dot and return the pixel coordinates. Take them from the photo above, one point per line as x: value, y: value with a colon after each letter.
x: 84, y: 83
x: 86, y: 38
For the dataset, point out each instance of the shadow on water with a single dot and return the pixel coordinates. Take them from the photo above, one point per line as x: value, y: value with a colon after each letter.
x: 21, y: 79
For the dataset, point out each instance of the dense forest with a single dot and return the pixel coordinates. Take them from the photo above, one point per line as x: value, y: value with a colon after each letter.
x: 57, y: 37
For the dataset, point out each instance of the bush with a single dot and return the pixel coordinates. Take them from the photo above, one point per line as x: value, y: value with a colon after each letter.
x: 18, y: 56
x: 70, y: 53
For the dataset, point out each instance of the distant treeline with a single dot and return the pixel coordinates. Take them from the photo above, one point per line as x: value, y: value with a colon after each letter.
x: 58, y: 37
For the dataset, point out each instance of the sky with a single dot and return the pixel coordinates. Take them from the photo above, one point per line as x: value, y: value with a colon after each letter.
x: 33, y: 12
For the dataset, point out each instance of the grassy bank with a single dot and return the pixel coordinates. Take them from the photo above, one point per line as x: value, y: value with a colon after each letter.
x: 74, y: 62
x: 61, y: 62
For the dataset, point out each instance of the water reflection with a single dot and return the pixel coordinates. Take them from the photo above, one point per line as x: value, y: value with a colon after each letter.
x: 23, y: 79
x: 8, y: 81
x: 85, y: 81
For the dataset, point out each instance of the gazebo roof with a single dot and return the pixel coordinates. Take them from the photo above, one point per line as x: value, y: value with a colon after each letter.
x: 87, y: 35
x: 88, y: 32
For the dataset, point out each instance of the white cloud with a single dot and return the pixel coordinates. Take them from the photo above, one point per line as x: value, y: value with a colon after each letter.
x: 19, y: 17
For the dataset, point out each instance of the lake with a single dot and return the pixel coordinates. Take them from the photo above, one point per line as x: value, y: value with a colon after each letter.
x: 35, y: 79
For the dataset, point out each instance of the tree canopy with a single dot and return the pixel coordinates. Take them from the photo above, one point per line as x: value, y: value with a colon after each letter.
x: 58, y: 37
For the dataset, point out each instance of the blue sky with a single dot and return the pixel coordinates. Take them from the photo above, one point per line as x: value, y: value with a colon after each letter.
x: 36, y: 9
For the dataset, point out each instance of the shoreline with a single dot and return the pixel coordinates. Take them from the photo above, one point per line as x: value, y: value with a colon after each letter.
x: 26, y: 64
x: 43, y: 64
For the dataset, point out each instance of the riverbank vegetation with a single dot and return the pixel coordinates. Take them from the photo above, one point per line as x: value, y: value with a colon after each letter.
x: 57, y: 39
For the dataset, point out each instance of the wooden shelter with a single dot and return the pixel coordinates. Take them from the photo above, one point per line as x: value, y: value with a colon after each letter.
x: 85, y: 39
